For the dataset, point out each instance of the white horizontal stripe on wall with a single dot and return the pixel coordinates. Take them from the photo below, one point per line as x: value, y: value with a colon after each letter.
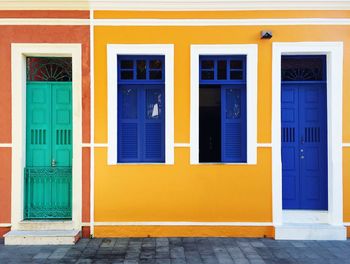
x: 5, y: 145
x: 174, y: 5
x: 176, y: 145
x: 182, y: 145
x: 183, y: 224
x: 222, y: 22
x: 175, y: 22
x: 5, y: 224
x: 264, y: 145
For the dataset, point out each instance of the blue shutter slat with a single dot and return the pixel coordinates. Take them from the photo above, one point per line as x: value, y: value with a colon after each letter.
x: 233, y: 142
x: 153, y: 141
x: 128, y: 146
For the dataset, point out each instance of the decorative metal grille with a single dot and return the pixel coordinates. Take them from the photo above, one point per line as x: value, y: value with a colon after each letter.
x: 49, y: 69
x: 48, y: 193
x: 303, y: 68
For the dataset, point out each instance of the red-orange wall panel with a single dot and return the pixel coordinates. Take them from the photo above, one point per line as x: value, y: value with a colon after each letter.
x: 5, y: 185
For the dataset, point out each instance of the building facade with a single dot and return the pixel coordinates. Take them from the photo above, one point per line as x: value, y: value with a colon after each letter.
x: 169, y: 119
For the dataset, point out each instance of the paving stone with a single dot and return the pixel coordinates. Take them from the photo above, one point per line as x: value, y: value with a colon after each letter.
x: 178, y: 261
x: 222, y: 255
x: 163, y: 261
x: 177, y: 252
x: 41, y: 255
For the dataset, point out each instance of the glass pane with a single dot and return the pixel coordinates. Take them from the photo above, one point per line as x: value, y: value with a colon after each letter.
x: 49, y: 69
x: 236, y: 64
x: 127, y: 64
x: 233, y: 103
x: 154, y: 103
x: 303, y: 68
x: 207, y: 75
x: 128, y: 102
x: 207, y: 64
x: 222, y: 70
x: 141, y: 69
x: 155, y: 75
x: 236, y: 75
x: 127, y: 75
x: 155, y: 64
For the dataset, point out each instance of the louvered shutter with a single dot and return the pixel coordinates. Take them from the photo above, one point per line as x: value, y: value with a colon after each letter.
x: 128, y: 124
x: 154, y: 128
x: 233, y: 123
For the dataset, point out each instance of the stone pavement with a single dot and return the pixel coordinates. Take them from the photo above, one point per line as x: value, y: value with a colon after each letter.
x: 182, y: 251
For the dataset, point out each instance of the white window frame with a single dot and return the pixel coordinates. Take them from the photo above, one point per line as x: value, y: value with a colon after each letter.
x: 113, y: 50
x: 251, y: 51
x: 19, y: 52
x: 334, y: 53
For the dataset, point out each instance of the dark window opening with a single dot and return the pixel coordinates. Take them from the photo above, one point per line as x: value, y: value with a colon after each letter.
x: 209, y: 123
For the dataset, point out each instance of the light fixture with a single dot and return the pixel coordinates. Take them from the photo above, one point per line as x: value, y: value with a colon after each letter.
x: 266, y: 34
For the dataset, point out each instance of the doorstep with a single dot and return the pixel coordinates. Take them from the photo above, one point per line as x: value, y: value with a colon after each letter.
x: 42, y: 237
x: 36, y: 225
x: 305, y: 231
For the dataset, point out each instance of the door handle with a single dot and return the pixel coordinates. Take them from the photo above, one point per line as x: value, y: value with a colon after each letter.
x: 53, y: 163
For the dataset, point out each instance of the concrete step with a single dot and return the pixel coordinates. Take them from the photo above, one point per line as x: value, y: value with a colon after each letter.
x: 304, y: 231
x: 42, y: 237
x: 36, y: 225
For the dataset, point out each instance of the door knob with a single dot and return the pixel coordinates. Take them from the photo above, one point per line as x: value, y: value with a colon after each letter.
x: 53, y: 163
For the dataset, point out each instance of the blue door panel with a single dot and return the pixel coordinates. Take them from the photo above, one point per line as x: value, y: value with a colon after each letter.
x: 290, y: 151
x: 313, y: 121
x: 304, y: 146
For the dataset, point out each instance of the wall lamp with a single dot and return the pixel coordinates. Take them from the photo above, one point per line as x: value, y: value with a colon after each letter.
x: 265, y: 34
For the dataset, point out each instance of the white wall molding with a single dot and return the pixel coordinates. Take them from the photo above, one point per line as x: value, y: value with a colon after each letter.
x: 183, y: 224
x: 176, y: 22
x: 180, y: 5
x: 222, y: 22
x: 92, y: 123
x: 334, y: 53
x: 5, y: 145
x: 19, y: 52
x: 182, y: 145
x: 5, y: 224
x: 251, y: 51
x: 140, y: 49
x: 264, y: 145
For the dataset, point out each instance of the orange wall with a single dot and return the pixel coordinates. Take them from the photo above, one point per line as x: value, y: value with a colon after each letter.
x: 182, y: 192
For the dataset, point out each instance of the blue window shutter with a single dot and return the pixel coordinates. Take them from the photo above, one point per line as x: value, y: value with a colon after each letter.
x: 154, y: 126
x: 233, y: 123
x: 128, y: 124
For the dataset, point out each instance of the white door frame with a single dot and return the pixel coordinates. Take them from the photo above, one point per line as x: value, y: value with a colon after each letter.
x: 19, y: 52
x: 334, y: 53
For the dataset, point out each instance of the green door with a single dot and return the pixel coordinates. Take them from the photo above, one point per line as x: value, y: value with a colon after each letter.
x: 48, y: 172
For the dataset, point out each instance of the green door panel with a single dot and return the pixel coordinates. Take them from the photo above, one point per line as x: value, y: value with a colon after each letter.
x: 38, y: 125
x: 62, y: 124
x: 48, y: 172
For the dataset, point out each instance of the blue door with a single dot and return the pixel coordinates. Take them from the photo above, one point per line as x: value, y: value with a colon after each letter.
x: 304, y: 145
